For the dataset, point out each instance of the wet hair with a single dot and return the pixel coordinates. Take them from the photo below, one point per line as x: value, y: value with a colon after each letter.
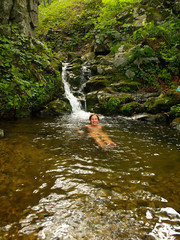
x: 93, y: 114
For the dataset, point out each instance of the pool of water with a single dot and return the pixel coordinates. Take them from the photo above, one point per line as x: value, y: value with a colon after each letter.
x: 57, y: 184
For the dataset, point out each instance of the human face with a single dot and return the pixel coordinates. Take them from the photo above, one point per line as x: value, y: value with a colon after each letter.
x: 94, y: 120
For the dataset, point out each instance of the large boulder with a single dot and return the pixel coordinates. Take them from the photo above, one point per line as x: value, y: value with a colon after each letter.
x: 56, y: 108
x: 175, y: 111
x: 121, y: 58
x: 131, y: 108
x: 162, y: 103
x: 23, y: 14
x: 97, y: 83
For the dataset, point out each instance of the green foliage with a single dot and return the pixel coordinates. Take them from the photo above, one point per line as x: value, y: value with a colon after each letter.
x: 115, y: 48
x: 113, y: 104
x: 25, y: 82
x: 175, y: 110
x: 110, y: 11
x: 131, y: 108
x: 165, y: 75
x: 73, y: 20
x: 141, y: 51
x: 163, y: 41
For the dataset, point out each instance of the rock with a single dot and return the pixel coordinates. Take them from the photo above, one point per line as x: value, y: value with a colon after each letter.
x: 96, y: 83
x: 56, y: 108
x: 91, y: 101
x: 162, y: 103
x: 1, y: 133
x: 74, y: 76
x: 105, y: 69
x: 100, y: 45
x: 148, y: 60
x: 126, y: 86
x: 89, y: 57
x: 150, y: 117
x: 176, y: 6
x: 23, y: 113
x: 142, y: 97
x: 74, y: 57
x: 120, y: 58
x: 140, y: 18
x: 114, y: 103
x: 107, y: 60
x: 175, y: 111
x: 131, y: 108
x: 130, y: 74
x: 176, y: 124
x: 23, y: 14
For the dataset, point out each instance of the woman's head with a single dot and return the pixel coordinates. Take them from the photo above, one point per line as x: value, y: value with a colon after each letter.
x: 94, y: 119
x: 93, y: 115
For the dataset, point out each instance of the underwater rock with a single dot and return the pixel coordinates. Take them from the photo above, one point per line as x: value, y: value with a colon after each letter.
x: 1, y: 133
x: 176, y: 124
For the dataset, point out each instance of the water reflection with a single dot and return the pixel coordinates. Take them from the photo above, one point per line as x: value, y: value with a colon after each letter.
x: 56, y: 184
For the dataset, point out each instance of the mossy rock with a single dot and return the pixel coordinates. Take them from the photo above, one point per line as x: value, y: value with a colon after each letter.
x: 174, y: 95
x: 176, y: 124
x: 74, y: 57
x: 23, y: 113
x: 96, y: 102
x: 131, y: 108
x: 163, y: 102
x: 91, y: 101
x: 56, y: 108
x: 1, y: 133
x: 97, y: 83
x: 126, y: 86
x: 114, y: 102
x: 175, y: 111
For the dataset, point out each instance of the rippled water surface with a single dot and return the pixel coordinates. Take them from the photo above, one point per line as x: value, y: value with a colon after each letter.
x: 56, y: 184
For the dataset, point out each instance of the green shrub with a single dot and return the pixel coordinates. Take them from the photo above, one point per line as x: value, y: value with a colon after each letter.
x: 25, y: 79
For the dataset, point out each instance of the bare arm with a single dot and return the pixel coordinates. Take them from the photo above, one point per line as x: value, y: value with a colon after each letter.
x: 81, y: 130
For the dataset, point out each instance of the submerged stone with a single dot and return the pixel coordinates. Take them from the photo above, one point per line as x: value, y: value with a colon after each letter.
x: 1, y: 133
x: 176, y: 124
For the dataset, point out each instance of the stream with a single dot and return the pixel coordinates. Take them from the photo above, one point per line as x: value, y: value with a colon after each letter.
x: 59, y: 185
x: 56, y: 184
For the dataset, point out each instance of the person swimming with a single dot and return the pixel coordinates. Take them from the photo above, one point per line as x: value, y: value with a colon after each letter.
x: 96, y: 132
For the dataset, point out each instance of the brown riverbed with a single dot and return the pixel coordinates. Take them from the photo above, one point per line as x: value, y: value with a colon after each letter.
x: 56, y: 184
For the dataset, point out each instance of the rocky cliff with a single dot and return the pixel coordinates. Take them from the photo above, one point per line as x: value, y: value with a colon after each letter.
x: 21, y: 13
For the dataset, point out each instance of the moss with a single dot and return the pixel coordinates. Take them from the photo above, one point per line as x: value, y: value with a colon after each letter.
x: 162, y: 103
x: 126, y: 86
x: 97, y: 83
x: 176, y: 120
x: 131, y: 108
x: 57, y: 107
x: 176, y: 124
x: 175, y: 111
x: 91, y: 101
x: 113, y: 104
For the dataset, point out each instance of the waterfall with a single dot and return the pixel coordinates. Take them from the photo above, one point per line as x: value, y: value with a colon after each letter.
x: 76, y: 106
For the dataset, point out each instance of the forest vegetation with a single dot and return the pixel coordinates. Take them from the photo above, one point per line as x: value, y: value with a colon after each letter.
x: 30, y: 71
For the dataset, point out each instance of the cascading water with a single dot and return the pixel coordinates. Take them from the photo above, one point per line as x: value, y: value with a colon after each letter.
x: 74, y: 102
